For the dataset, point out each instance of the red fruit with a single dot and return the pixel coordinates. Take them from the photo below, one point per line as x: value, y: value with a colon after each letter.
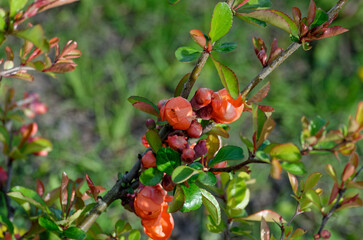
x: 148, y: 160
x: 144, y: 141
x: 178, y: 143
x: 178, y: 112
x: 150, y: 123
x: 201, y: 148
x: 188, y: 155
x: 325, y: 234
x: 225, y: 108
x: 148, y: 202
x: 201, y: 98
x: 195, y: 130
x: 161, y: 227
x: 167, y: 183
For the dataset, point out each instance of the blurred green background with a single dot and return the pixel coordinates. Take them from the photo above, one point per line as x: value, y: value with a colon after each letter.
x: 128, y: 49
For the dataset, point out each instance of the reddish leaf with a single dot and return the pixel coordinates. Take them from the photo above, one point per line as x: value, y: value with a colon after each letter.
x: 260, y: 50
x: 276, y: 169
x: 261, y: 94
x: 329, y: 32
x: 266, y: 108
x: 198, y: 37
x: 356, y: 203
x: 268, y: 215
x: 296, y: 13
x: 265, y: 230
x: 9, y: 54
x: 294, y: 183
x: 275, y: 51
x: 145, y: 107
x: 267, y: 128
x: 179, y: 88
x: 276, y: 18
x: 93, y: 190
x: 334, y: 193
x: 40, y: 187
x: 348, y: 171
x: 22, y: 75
x: 311, y: 13
x: 61, y: 67
x: 64, y: 191
x: 3, y: 177
x: 354, y: 159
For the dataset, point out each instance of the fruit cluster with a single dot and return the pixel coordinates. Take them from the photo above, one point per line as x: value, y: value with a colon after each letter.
x: 185, y: 117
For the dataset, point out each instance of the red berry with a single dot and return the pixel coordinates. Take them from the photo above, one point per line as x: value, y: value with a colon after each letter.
x: 201, y: 148
x: 325, y: 234
x: 195, y: 130
x: 178, y: 143
x: 167, y: 183
x: 202, y: 97
x: 150, y: 123
x: 148, y: 160
x: 188, y: 155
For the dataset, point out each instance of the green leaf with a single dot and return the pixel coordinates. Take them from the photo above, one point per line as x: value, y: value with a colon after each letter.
x: 316, y: 124
x: 4, y: 135
x: 15, y: 6
x: 48, y: 224
x: 207, y: 178
x: 144, y: 105
x: 252, y: 20
x: 151, y: 176
x: 74, y: 233
x: 227, y: 153
x: 313, y: 197
x: 237, y: 195
x: 296, y: 168
x: 268, y: 215
x: 154, y: 140
x: 167, y: 160
x: 298, y: 233
x: 225, y: 47
x: 212, y: 205
x: 261, y: 155
x: 228, y: 78
x: 286, y: 152
x: 134, y: 235
x: 276, y: 18
x: 312, y: 180
x: 320, y: 18
x: 215, y: 228
x: 183, y: 173
x: 222, y: 20
x: 178, y: 200
x: 9, y: 225
x: 254, y: 5
x: 35, y: 35
x: 41, y: 144
x: 192, y: 197
x: 187, y: 54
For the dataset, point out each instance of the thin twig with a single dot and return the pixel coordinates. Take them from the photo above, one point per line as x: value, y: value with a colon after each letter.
x: 15, y: 70
x: 236, y: 167
x: 337, y: 204
x: 284, y: 55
